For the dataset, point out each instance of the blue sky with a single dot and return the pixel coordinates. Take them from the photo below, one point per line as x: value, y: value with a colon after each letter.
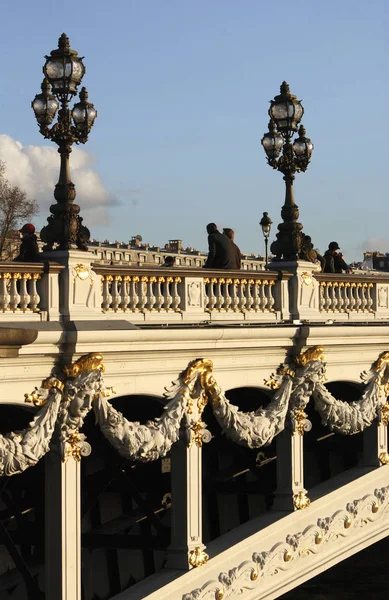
x: 182, y: 90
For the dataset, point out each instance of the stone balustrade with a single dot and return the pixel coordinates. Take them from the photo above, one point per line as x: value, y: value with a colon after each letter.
x: 189, y: 294
x: 25, y: 290
x: 92, y: 291
x: 353, y: 296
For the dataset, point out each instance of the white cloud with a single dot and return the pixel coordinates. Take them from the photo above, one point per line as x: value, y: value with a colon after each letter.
x: 374, y: 243
x: 36, y: 168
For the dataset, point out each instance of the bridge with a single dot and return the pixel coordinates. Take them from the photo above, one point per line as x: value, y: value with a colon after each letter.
x: 188, y: 434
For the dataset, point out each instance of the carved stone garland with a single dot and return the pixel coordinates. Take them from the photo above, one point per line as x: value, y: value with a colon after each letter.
x: 154, y: 439
x: 350, y: 418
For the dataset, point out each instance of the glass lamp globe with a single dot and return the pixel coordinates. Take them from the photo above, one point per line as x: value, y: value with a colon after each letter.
x: 303, y: 146
x: 44, y: 105
x: 286, y: 110
x: 272, y: 141
x: 64, y: 68
x: 84, y: 113
x: 266, y: 224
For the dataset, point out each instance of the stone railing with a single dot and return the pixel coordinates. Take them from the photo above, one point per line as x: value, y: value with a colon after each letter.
x: 25, y: 290
x: 353, y: 296
x: 188, y: 292
x: 235, y: 294
x: 85, y: 290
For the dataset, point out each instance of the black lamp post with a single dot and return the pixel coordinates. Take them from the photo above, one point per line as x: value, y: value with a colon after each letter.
x: 63, y: 72
x: 266, y: 224
x: 285, y: 114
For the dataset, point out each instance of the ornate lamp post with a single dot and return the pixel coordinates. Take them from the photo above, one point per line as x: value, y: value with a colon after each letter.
x: 285, y: 114
x: 266, y: 224
x: 63, y: 72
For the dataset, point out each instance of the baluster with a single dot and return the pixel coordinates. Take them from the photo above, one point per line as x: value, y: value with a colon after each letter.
x: 234, y: 295
x: 321, y: 296
x: 352, y: 296
x: 158, y: 294
x: 176, y: 296
x: 334, y: 299
x: 107, y: 298
x: 358, y: 291
x: 167, y: 295
x: 241, y: 294
x: 115, y: 292
x: 249, y: 295
x: 211, y: 294
x: 13, y: 292
x: 369, y: 297
x: 327, y: 299
x: 363, y: 297
x: 124, y: 295
x: 206, y: 293
x: 227, y: 296
x: 134, y: 298
x: 346, y: 296
x: 4, y: 295
x: 150, y: 293
x: 263, y: 297
x: 271, y: 300
x: 256, y: 299
x: 341, y: 296
x: 218, y: 294
x: 34, y: 296
x: 142, y: 290
x: 24, y: 295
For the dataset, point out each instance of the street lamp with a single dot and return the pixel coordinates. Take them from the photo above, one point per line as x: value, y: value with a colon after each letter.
x: 63, y: 71
x: 266, y: 224
x: 285, y: 113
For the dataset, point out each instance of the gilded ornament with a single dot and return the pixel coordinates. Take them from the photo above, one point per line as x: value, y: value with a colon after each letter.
x: 384, y: 458
x: 375, y: 508
x: 312, y: 353
x: 197, y: 557
x: 318, y: 538
x: 347, y: 523
x: 254, y: 575
x: 35, y: 398
x: 197, y: 435
x: 219, y: 595
x: 301, y: 500
x: 287, y: 556
x: 88, y: 362
x: 81, y: 271
x: 53, y: 382
x: 385, y: 410
x: 307, y: 279
x: 74, y: 446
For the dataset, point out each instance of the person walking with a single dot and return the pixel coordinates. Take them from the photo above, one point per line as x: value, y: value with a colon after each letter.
x: 230, y: 233
x: 221, y: 254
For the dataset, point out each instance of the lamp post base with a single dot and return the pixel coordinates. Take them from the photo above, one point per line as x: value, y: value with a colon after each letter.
x: 65, y: 229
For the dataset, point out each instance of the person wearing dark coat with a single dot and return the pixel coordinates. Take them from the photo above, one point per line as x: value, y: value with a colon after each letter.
x: 29, y: 250
x: 334, y: 262
x: 230, y: 233
x: 221, y: 254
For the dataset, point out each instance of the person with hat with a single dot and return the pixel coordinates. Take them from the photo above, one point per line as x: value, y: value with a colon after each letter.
x: 29, y: 251
x: 334, y: 262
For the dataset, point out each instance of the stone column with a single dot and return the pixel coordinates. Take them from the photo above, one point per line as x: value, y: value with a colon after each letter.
x: 290, y: 494
x: 186, y: 549
x: 63, y: 528
x: 375, y: 445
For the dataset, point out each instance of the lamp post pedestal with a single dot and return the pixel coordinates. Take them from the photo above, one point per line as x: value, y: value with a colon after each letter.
x: 80, y: 296
x: 303, y: 288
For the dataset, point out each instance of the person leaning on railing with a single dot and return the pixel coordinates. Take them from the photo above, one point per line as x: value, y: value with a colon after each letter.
x: 334, y: 261
x: 29, y: 251
x: 230, y: 233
